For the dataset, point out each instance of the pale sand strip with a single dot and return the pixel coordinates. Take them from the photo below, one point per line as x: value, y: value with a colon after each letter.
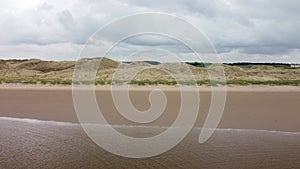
x: 249, y: 88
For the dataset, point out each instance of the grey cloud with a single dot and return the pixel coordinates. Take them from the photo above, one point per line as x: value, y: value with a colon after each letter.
x: 65, y: 18
x: 265, y: 25
x: 151, y: 40
x: 257, y: 27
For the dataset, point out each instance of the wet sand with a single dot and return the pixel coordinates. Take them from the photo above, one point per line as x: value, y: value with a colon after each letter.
x: 259, y: 129
x: 34, y: 144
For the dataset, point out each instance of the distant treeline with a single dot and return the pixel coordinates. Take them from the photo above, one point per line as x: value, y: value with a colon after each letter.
x: 150, y: 62
x: 198, y: 64
x: 243, y: 64
x: 240, y: 64
x: 257, y: 64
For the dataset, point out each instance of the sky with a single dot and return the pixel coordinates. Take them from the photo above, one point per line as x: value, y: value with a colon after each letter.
x: 241, y: 31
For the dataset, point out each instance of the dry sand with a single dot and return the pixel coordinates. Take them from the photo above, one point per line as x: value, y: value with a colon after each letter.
x: 243, y: 143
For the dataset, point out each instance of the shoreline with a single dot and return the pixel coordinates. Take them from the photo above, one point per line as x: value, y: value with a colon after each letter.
x: 62, y: 123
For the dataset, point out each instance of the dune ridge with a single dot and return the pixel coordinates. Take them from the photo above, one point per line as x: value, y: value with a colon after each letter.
x: 36, y: 71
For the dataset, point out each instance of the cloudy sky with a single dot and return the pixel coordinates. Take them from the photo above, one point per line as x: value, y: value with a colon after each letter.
x: 255, y: 30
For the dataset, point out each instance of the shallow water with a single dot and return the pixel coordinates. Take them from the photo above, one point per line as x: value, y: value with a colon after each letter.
x: 29, y: 143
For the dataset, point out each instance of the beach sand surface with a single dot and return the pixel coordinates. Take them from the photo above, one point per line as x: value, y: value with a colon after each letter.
x: 262, y: 108
x: 259, y: 129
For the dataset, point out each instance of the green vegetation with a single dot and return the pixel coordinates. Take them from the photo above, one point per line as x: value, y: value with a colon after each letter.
x: 220, y: 83
x: 44, y: 82
x: 156, y: 82
x: 100, y: 82
x: 29, y: 82
x: 65, y: 82
x: 268, y: 82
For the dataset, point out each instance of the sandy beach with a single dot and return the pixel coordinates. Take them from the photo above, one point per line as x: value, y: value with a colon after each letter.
x: 259, y: 129
x: 274, y: 108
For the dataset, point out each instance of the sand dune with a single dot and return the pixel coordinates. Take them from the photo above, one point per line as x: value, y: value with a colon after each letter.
x: 54, y: 72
